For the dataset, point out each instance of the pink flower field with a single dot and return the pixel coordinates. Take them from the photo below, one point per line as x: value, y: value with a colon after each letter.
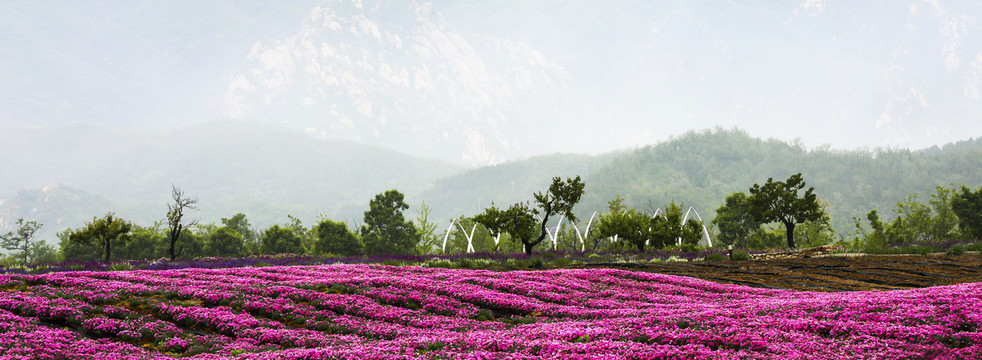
x: 384, y: 312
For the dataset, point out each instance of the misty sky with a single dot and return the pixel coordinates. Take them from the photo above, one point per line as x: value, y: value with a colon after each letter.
x: 625, y: 73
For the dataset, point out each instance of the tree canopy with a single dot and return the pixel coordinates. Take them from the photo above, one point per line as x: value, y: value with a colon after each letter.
x: 519, y: 219
x: 23, y: 241
x: 226, y: 242
x: 734, y: 221
x: 628, y: 226
x: 335, y: 238
x: 280, y: 240
x: 103, y: 232
x: 968, y: 206
x: 386, y: 230
x: 779, y: 201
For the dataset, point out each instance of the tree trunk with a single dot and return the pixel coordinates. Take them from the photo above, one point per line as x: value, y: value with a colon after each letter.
x: 790, y: 228
x: 108, y: 251
x: 175, y: 234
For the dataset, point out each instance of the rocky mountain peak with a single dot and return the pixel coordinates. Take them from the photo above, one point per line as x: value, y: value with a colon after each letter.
x: 393, y: 74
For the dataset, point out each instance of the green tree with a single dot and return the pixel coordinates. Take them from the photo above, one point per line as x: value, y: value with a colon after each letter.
x: 386, y: 230
x: 628, y: 226
x: 518, y: 221
x: 944, y: 220
x: 145, y: 243
x: 967, y: 205
x: 280, y: 240
x: 734, y: 221
x: 558, y: 200
x: 429, y: 240
x: 668, y: 229
x: 912, y: 223
x: 818, y: 232
x: 175, y: 217
x: 308, y: 237
x: 335, y: 238
x: 778, y: 201
x: 240, y: 224
x: 23, y: 241
x: 73, y: 251
x: 225, y: 242
x: 103, y: 232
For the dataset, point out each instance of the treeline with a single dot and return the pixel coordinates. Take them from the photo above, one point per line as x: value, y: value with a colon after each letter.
x: 703, y: 167
x: 774, y: 214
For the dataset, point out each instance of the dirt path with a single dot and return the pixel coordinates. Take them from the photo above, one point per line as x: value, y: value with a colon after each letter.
x: 880, y: 272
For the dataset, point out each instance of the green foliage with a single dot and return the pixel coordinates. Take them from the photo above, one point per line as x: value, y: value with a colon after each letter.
x: 715, y: 257
x: 767, y: 237
x: 386, y: 230
x: 225, y: 242
x: 308, y: 237
x: 818, y: 232
x: 429, y: 240
x: 944, y: 221
x: 628, y: 226
x: 669, y: 230
x: 957, y: 249
x: 280, y: 240
x: 22, y: 241
x: 240, y: 224
x: 74, y: 251
x: 145, y: 243
x: 103, y: 232
x: 519, y: 219
x: 704, y: 166
x: 778, y: 201
x: 741, y: 255
x: 336, y: 238
x: 734, y: 221
x: 915, y: 224
x: 967, y: 205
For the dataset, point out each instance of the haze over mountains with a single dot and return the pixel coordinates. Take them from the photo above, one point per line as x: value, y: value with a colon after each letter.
x: 311, y: 107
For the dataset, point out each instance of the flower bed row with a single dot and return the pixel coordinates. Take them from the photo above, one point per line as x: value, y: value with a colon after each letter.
x: 372, y: 311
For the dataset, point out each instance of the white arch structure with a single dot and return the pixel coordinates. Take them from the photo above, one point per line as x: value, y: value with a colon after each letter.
x: 553, y: 235
x: 470, y: 237
x: 692, y: 210
x: 583, y: 236
x: 705, y: 232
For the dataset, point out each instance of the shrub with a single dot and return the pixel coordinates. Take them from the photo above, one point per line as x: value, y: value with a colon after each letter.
x: 741, y: 255
x: 715, y: 257
x: 560, y: 262
x: 484, y: 315
x: 956, y: 250
x: 465, y: 263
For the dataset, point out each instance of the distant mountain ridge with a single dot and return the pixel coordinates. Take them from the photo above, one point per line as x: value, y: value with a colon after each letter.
x: 262, y: 170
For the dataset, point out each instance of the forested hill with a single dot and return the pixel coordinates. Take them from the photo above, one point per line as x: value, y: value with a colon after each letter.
x: 700, y: 168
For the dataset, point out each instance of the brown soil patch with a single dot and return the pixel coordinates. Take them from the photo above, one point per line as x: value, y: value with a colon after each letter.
x: 834, y: 273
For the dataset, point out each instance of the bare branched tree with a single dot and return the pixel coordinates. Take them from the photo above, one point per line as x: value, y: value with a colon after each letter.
x: 175, y: 214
